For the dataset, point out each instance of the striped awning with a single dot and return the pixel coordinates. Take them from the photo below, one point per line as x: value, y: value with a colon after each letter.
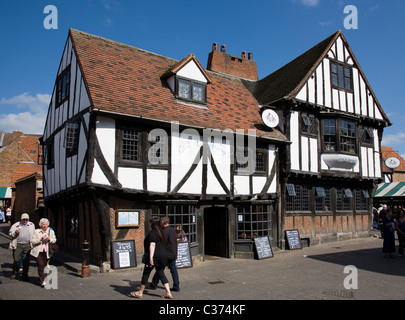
x: 390, y: 189
x: 5, y: 193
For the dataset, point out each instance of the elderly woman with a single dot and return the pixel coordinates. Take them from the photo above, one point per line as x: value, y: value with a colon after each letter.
x: 40, y: 247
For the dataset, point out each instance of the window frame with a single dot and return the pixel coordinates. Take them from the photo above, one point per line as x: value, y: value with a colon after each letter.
x: 239, y: 168
x: 192, y: 84
x: 338, y: 135
x: 344, y: 67
x: 62, y: 86
x: 251, y: 222
x: 71, y: 143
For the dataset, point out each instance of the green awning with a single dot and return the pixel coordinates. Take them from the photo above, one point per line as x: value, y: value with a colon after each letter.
x: 390, y: 189
x: 5, y: 193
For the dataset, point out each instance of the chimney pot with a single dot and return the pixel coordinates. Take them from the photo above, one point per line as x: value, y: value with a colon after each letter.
x: 215, y: 46
x: 250, y: 56
x: 244, y: 55
x: 223, y: 48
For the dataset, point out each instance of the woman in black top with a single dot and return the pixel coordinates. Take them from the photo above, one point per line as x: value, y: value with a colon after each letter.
x: 155, y: 256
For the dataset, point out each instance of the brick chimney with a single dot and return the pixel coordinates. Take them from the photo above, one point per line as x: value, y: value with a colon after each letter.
x: 243, y: 67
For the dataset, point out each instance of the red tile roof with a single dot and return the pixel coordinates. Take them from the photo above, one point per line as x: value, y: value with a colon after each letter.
x: 126, y: 80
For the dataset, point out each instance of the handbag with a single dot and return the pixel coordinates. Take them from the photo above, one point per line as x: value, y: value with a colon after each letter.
x: 53, y: 247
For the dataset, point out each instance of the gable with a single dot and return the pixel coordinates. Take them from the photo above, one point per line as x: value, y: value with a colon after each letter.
x: 321, y: 89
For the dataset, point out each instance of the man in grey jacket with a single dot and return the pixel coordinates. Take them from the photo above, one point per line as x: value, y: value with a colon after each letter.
x: 20, y: 233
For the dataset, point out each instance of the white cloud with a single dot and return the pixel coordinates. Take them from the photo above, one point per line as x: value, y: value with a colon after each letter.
x: 391, y: 140
x: 310, y: 3
x: 24, y: 112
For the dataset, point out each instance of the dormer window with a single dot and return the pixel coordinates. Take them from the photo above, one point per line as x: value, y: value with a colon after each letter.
x: 191, y: 90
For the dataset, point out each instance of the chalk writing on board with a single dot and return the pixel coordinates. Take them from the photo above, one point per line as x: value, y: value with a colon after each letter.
x: 263, y: 248
x: 293, y: 239
x: 183, y: 255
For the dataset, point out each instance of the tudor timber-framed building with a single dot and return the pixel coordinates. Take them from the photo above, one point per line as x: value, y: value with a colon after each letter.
x: 128, y: 129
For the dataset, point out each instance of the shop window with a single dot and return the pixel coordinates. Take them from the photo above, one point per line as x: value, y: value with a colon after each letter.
x: 183, y: 216
x: 343, y: 199
x: 299, y: 202
x: 322, y: 199
x: 252, y: 221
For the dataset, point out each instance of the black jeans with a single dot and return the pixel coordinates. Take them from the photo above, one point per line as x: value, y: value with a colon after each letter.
x: 147, y: 271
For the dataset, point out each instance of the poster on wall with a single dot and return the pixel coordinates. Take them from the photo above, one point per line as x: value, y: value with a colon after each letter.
x: 127, y: 218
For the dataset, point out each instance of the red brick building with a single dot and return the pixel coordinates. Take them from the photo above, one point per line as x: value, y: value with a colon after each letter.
x: 20, y: 156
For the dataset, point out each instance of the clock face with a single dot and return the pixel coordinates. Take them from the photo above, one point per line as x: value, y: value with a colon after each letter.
x: 270, y: 118
x: 392, y: 162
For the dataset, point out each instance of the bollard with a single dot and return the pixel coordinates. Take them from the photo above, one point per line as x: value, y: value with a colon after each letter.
x: 85, y: 261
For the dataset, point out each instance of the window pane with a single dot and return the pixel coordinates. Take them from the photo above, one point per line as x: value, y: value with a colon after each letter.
x: 130, y: 145
x: 198, y: 92
x: 184, y: 89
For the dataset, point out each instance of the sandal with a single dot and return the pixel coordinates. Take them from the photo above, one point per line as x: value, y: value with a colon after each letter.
x: 166, y: 296
x: 136, y: 294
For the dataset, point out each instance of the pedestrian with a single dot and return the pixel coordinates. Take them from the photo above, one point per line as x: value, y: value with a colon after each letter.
x: 21, y: 233
x: 171, y: 246
x: 40, y: 247
x: 155, y: 256
x: 401, y: 231
x: 181, y: 235
x: 388, y: 226
x: 8, y: 215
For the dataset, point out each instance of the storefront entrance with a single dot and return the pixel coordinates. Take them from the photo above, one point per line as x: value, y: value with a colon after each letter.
x: 216, y: 241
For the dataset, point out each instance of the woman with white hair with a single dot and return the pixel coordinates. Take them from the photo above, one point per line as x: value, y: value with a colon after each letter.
x: 41, y: 250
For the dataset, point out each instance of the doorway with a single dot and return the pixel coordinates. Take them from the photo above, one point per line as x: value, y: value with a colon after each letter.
x: 216, y: 232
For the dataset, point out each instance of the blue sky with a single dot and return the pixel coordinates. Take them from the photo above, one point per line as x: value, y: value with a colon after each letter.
x: 275, y: 31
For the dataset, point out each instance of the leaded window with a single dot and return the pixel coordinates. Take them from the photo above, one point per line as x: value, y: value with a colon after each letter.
x: 191, y: 90
x: 182, y: 216
x: 71, y: 137
x: 130, y: 143
x: 339, y: 136
x: 252, y: 221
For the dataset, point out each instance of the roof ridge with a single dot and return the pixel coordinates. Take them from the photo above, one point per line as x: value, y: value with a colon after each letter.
x: 120, y: 44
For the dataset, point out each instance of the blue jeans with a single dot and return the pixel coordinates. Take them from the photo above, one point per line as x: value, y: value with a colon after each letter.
x: 175, y: 276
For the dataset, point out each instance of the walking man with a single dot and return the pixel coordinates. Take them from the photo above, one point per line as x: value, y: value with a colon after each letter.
x: 20, y: 233
x: 171, y: 246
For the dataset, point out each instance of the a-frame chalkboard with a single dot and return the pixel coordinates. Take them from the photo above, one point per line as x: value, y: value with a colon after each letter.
x: 263, y: 248
x: 293, y: 240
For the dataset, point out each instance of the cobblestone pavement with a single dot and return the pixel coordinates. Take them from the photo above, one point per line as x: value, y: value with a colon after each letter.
x: 312, y: 273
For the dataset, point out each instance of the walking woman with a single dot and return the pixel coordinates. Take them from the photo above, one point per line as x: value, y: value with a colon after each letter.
x: 401, y: 231
x: 40, y: 242
x: 156, y: 256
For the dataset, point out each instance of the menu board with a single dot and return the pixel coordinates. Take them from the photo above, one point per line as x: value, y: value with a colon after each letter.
x: 183, y: 255
x: 293, y: 239
x: 263, y: 248
x: 123, y: 254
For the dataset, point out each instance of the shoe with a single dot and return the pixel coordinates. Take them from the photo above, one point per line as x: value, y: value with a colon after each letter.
x: 25, y: 278
x: 175, y: 289
x: 166, y: 296
x: 12, y: 277
x: 136, y: 294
